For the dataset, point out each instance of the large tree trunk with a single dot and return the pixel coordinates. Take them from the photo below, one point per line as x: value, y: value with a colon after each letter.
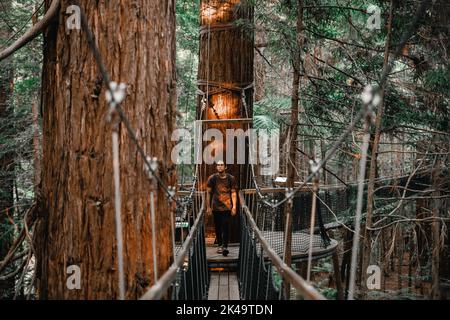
x: 6, y: 158
x: 76, y: 217
x: 226, y: 65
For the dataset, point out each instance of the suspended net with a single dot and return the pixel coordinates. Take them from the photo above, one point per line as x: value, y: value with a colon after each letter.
x: 272, y: 223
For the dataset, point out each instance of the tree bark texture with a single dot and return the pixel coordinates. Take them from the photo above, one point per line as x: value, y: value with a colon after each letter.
x: 76, y: 223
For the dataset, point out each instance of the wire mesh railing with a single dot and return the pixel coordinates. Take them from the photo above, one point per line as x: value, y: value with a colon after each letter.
x: 188, y: 276
x: 261, y: 269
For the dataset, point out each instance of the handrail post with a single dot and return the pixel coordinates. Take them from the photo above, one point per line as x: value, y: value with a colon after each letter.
x: 287, y: 250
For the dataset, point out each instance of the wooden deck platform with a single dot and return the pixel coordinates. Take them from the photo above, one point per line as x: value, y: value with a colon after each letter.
x: 217, y: 260
x: 223, y: 286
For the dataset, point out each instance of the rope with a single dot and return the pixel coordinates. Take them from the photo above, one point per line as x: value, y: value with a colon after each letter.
x: 118, y: 215
x: 362, y: 172
x: 152, y: 214
x: 312, y: 223
x: 172, y: 223
x: 217, y: 27
x: 237, y: 87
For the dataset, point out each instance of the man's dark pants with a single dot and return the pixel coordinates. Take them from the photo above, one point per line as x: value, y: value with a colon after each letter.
x: 222, y: 224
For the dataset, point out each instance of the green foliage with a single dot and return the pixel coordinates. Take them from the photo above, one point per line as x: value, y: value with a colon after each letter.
x: 188, y: 14
x: 265, y: 122
x: 438, y: 81
x: 329, y: 293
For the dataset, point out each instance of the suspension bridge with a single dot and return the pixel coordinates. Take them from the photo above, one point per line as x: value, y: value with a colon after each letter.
x: 256, y: 267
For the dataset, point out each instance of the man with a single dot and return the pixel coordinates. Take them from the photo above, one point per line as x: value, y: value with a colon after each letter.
x: 222, y: 204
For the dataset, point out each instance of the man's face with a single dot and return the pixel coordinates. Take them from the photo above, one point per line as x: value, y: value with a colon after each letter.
x: 220, y: 167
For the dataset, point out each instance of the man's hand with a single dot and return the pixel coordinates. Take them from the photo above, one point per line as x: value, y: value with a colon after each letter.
x: 209, y: 211
x: 233, y: 211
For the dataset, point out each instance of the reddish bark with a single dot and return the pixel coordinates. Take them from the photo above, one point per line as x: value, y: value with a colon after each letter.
x: 76, y: 222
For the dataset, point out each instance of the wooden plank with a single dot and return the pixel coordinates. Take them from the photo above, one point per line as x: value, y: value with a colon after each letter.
x: 213, y: 256
x: 223, y: 286
x: 213, y: 293
x: 223, y: 280
x: 233, y: 286
x: 223, y: 293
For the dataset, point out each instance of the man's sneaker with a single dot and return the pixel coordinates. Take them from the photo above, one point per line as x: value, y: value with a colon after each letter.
x: 225, y: 252
x: 220, y: 250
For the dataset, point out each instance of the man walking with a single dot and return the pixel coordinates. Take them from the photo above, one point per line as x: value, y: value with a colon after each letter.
x: 222, y: 204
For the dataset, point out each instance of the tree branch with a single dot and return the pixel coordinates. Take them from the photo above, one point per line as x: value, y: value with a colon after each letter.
x: 33, y: 32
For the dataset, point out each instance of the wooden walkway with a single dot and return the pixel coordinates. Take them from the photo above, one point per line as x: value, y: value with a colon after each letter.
x: 223, y: 286
x: 217, y: 260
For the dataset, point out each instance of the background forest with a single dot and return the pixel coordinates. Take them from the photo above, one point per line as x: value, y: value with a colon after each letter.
x: 335, y: 53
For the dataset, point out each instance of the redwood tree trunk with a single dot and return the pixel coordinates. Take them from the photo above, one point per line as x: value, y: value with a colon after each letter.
x: 226, y: 65
x: 76, y: 217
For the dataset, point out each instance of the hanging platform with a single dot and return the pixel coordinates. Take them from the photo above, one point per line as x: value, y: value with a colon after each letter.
x: 300, y: 245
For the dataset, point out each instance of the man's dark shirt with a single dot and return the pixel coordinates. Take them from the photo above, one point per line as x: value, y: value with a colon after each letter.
x: 221, y: 189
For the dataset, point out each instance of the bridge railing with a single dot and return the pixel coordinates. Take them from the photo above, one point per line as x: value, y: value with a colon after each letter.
x: 261, y: 267
x: 187, y: 278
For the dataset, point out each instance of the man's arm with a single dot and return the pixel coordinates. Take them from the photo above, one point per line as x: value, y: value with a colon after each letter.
x: 208, y: 200
x: 234, y: 198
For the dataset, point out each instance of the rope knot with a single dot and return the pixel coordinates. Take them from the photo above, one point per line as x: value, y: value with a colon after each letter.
x: 114, y: 96
x: 116, y: 93
x: 289, y: 195
x: 314, y: 167
x: 172, y: 192
x: 151, y: 165
x: 371, y: 99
